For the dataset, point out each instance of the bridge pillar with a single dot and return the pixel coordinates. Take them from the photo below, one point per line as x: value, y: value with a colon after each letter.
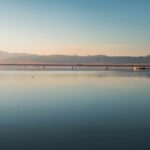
x: 107, y: 67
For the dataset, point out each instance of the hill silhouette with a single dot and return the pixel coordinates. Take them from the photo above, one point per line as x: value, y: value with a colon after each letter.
x: 6, y: 57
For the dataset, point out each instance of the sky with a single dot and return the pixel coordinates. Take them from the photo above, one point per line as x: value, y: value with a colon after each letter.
x: 75, y: 27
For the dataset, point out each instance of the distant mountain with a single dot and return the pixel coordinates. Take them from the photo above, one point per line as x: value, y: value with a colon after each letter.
x: 3, y: 54
x: 100, y: 59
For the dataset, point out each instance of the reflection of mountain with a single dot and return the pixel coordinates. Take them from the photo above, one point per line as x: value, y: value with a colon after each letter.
x: 28, y: 58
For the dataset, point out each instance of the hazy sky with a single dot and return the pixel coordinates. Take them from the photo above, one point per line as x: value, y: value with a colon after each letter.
x: 83, y: 27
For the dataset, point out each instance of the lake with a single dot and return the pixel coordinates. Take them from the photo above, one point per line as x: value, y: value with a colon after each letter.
x: 75, y: 110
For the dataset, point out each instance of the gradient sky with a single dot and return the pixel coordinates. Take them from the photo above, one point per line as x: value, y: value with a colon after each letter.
x: 80, y: 27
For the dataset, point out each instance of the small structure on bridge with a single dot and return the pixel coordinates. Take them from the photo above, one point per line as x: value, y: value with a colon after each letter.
x: 135, y: 68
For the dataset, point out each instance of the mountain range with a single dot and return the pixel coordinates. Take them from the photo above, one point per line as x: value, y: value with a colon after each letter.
x: 6, y: 57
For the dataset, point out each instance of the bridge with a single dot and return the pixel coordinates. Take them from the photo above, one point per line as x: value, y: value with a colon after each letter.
x: 73, y: 66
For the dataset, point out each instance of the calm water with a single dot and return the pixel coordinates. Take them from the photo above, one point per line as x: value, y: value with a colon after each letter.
x: 75, y: 110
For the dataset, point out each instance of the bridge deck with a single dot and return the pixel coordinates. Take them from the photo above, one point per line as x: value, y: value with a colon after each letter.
x: 79, y: 65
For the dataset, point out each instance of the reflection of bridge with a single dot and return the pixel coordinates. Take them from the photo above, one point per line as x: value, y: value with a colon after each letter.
x: 72, y: 66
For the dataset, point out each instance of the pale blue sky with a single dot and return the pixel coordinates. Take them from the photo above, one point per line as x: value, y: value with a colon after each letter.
x: 83, y: 27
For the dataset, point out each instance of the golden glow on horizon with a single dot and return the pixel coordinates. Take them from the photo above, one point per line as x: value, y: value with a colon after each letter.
x: 84, y: 52
x: 46, y: 48
x: 52, y: 47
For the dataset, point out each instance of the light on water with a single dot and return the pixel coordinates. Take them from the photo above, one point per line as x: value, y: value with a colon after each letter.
x: 74, y: 110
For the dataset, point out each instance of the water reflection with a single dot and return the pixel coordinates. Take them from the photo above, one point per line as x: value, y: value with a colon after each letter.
x: 74, y: 110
